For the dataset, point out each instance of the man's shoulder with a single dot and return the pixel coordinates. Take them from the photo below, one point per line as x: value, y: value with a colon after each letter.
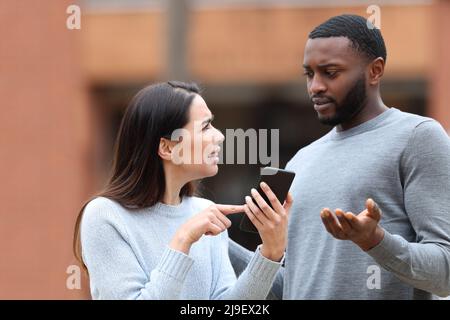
x: 403, y: 123
x: 420, y: 128
x: 308, y: 147
x: 412, y: 119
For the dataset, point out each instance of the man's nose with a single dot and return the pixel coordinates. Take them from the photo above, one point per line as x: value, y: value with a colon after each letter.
x: 316, y: 85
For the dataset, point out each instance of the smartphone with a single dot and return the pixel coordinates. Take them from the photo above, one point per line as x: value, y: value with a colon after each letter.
x: 279, y: 181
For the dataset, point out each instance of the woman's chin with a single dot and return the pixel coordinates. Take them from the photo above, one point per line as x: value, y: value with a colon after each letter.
x: 210, y: 170
x: 202, y: 171
x: 211, y: 166
x: 213, y: 169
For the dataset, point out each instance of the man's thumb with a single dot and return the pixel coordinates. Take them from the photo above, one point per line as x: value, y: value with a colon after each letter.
x: 373, y: 209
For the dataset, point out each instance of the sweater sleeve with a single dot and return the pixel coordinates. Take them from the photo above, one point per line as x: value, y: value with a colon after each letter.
x: 115, y: 271
x: 240, y: 258
x: 425, y: 263
x: 254, y: 283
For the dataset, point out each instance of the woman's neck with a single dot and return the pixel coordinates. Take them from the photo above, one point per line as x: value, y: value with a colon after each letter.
x: 171, y: 197
x: 174, y: 183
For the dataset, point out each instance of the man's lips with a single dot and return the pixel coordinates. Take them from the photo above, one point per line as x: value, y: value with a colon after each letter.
x: 322, y: 107
x: 320, y: 101
x: 321, y: 104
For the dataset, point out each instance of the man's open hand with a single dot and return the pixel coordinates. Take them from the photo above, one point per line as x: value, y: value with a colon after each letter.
x: 362, y: 229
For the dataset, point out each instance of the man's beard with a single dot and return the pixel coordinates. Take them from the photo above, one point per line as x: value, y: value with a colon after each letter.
x: 352, y: 104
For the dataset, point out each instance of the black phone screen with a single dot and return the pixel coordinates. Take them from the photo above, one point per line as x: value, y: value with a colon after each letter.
x: 279, y: 181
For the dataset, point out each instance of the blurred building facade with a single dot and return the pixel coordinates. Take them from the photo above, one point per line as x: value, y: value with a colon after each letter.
x: 66, y: 90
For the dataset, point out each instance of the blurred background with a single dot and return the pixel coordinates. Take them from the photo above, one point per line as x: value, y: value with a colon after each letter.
x: 63, y: 93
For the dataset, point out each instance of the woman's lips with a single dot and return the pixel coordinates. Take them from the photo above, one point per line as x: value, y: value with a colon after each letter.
x: 214, y: 156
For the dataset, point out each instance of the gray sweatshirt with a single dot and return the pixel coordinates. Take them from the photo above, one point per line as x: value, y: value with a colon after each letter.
x: 127, y: 255
x: 400, y: 160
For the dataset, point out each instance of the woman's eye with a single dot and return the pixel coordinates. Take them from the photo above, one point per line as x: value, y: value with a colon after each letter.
x: 207, y: 127
x: 308, y: 74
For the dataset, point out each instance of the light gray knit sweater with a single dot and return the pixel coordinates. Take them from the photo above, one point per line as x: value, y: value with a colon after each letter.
x: 127, y: 256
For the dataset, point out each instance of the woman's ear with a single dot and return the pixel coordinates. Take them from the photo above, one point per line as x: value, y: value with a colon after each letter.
x: 165, y: 149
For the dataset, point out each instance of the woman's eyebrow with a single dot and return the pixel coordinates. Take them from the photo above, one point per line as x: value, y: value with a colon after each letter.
x: 210, y: 119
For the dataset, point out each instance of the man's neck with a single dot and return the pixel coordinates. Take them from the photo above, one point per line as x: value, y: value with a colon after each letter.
x: 371, y: 110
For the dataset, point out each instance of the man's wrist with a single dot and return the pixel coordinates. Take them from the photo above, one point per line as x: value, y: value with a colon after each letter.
x: 374, y: 240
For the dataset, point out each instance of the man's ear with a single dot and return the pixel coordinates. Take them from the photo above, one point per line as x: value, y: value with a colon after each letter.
x: 165, y: 149
x: 376, y: 71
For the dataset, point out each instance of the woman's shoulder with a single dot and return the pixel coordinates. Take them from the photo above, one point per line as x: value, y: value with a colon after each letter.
x: 100, y: 204
x: 101, y: 209
x: 200, y: 203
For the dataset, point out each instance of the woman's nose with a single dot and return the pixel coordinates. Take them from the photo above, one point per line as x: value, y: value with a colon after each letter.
x: 219, y: 136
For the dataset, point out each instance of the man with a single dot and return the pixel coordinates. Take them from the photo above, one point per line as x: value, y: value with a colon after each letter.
x: 392, y: 167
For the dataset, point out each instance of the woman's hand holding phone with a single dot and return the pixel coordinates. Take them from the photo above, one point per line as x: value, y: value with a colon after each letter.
x: 270, y: 220
x: 210, y: 221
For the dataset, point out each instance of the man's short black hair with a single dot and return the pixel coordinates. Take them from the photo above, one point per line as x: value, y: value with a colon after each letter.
x: 364, y: 37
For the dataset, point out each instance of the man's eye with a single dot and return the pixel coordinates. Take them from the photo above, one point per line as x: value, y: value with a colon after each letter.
x: 208, y: 126
x: 308, y: 74
x: 331, y: 73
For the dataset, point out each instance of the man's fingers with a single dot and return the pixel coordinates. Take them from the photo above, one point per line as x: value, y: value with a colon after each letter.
x: 352, y: 220
x: 325, y: 222
x: 331, y: 221
x: 335, y: 225
x: 230, y: 209
x: 345, y: 225
x: 373, y: 209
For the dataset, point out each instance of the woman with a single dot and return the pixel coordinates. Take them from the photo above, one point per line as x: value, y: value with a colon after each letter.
x: 146, y: 236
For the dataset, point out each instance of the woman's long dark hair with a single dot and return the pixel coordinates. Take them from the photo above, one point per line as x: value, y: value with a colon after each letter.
x: 137, y: 178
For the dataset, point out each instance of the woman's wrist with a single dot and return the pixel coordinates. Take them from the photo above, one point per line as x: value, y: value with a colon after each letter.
x: 272, y: 254
x: 180, y: 243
